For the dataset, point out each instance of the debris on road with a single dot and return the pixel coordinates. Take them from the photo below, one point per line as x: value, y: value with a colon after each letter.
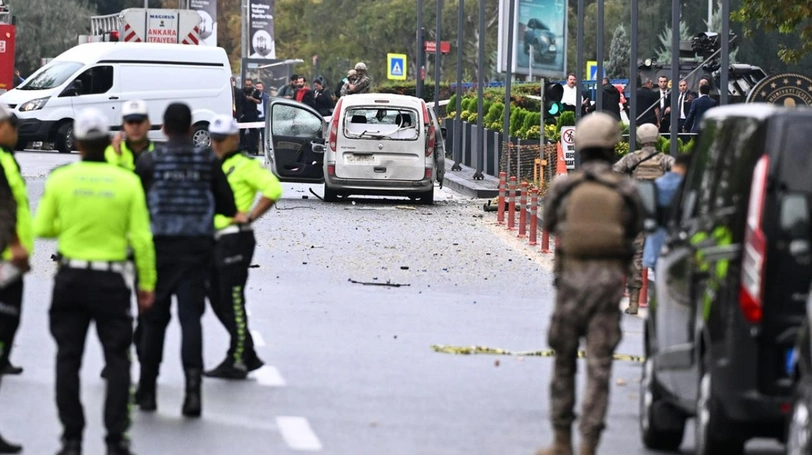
x: 388, y: 283
x: 405, y: 207
x: 471, y: 350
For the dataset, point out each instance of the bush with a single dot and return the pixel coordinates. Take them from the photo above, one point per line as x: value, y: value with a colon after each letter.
x: 533, y: 132
x: 517, y: 120
x: 622, y: 149
x: 566, y: 119
x: 495, y: 113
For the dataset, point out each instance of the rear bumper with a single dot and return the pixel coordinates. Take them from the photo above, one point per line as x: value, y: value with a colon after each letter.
x: 32, y: 129
x: 360, y: 186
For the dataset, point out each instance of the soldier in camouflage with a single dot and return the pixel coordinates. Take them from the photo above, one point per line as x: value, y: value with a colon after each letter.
x: 362, y: 81
x: 596, y: 214
x: 645, y: 164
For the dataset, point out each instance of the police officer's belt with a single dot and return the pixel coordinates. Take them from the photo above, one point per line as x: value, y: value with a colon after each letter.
x: 233, y: 229
x: 100, y: 266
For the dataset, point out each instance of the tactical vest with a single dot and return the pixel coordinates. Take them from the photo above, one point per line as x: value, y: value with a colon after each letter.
x: 594, y: 225
x: 181, y: 202
x: 648, y: 169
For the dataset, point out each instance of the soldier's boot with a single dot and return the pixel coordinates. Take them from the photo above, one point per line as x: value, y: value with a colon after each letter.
x: 145, y: 395
x: 589, y: 445
x: 562, y: 445
x: 193, y: 403
x: 634, y: 301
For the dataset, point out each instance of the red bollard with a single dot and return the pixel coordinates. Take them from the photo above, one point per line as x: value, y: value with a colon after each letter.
x: 511, y: 224
x: 534, y: 219
x: 523, y: 212
x: 545, y: 241
x: 500, y: 212
x: 643, y: 300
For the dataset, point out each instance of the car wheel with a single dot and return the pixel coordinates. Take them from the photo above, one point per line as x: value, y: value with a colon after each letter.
x: 330, y: 195
x: 427, y: 198
x: 64, y: 138
x: 799, y: 433
x: 711, y: 434
x: 21, y: 145
x: 200, y: 136
x: 654, y: 413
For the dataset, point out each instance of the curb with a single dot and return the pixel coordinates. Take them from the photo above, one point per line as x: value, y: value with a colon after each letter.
x: 462, y: 182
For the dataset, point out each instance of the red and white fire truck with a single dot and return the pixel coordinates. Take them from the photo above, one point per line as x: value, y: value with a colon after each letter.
x: 175, y: 26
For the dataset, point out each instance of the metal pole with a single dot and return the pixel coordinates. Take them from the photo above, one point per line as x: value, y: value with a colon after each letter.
x: 530, y: 64
x: 599, y: 57
x: 244, y: 4
x: 146, y: 4
x: 723, y: 79
x: 437, y: 57
x: 457, y: 122
x: 633, y: 72
x: 675, y: 12
x: 480, y: 132
x: 508, y: 82
x: 542, y: 84
x: 580, y: 65
x: 710, y: 12
x: 419, y: 84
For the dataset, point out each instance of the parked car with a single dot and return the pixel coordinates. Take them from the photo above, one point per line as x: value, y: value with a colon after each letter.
x: 799, y: 428
x: 379, y: 144
x: 731, y: 284
x: 105, y: 75
x: 539, y: 36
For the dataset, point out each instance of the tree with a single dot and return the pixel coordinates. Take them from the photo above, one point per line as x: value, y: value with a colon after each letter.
x: 46, y: 28
x: 788, y: 17
x: 664, y: 53
x: 619, y: 53
x: 114, y: 6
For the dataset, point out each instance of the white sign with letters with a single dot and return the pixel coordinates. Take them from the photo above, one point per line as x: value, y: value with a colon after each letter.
x: 568, y: 145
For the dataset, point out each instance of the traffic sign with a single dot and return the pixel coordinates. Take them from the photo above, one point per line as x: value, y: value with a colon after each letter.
x: 431, y: 47
x: 396, y: 67
x: 592, y: 70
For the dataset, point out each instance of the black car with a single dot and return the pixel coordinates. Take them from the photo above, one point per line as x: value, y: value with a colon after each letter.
x: 799, y: 429
x: 539, y: 36
x: 731, y: 283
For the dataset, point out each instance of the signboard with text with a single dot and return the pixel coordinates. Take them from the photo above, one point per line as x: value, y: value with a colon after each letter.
x: 162, y: 27
x: 431, y: 47
x: 207, y: 9
x: 260, y: 29
x: 568, y: 145
x: 539, y: 38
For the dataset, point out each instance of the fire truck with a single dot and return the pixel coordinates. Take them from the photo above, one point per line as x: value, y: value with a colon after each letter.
x: 175, y: 26
x: 7, y: 48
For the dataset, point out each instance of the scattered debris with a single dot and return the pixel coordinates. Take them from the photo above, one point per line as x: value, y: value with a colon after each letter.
x: 404, y: 267
x: 496, y: 363
x: 369, y: 283
x: 253, y: 266
x: 405, y: 207
x: 314, y: 194
x: 305, y: 197
x: 621, y: 382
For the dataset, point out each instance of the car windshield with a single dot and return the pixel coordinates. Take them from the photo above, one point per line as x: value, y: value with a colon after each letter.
x: 50, y: 76
x: 393, y: 123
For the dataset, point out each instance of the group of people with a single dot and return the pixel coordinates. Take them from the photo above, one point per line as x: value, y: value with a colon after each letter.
x: 597, y: 215
x: 164, y: 220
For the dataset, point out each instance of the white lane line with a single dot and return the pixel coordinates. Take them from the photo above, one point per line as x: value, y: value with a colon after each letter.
x: 258, y: 340
x: 268, y: 376
x: 297, y: 434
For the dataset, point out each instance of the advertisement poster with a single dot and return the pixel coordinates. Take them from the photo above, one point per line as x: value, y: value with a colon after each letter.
x: 7, y: 47
x: 207, y: 9
x: 260, y: 28
x: 539, y: 37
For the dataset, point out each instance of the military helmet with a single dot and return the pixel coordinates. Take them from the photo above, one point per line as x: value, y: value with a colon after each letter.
x: 350, y: 73
x: 597, y: 130
x: 647, y: 133
x: 360, y: 66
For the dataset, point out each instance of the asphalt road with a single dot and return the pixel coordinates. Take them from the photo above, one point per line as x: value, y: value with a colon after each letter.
x: 350, y: 369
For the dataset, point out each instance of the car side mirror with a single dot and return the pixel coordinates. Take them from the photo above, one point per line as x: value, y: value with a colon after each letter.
x: 445, y: 132
x: 647, y: 192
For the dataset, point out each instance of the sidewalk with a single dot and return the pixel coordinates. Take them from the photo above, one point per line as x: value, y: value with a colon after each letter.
x: 463, y: 182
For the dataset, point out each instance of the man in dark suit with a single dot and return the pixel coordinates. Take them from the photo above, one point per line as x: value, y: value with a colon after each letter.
x: 664, y: 97
x: 684, y: 103
x: 648, y: 106
x: 698, y: 108
x: 611, y: 99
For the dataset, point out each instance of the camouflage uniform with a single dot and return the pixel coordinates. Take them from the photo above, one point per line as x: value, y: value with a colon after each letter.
x: 587, y: 300
x: 346, y: 87
x: 649, y: 170
x: 362, y: 83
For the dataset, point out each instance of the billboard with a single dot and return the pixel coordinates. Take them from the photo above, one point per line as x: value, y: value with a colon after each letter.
x: 260, y: 29
x: 207, y: 9
x: 539, y: 37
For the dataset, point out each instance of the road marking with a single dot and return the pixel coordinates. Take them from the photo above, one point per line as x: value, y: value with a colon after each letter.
x: 258, y: 340
x: 268, y: 376
x: 297, y: 434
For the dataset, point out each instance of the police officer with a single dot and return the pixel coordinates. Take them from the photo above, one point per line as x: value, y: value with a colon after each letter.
x: 185, y: 188
x: 235, y: 245
x: 647, y: 163
x: 18, y: 251
x: 95, y: 210
x: 125, y: 151
x: 9, y: 316
x: 362, y: 82
x: 596, y: 214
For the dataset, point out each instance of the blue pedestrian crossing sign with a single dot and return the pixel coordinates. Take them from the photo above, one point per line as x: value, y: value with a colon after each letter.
x: 592, y: 70
x: 396, y: 67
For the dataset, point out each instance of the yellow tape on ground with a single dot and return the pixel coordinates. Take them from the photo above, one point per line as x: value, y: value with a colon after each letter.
x: 470, y: 350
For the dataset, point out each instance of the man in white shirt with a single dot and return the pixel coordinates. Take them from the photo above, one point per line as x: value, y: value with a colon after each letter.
x: 684, y: 103
x: 570, y: 96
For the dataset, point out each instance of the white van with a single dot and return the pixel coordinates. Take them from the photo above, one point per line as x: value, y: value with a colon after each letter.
x: 378, y: 144
x: 105, y: 75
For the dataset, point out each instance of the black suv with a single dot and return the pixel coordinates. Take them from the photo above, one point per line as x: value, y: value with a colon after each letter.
x: 731, y: 283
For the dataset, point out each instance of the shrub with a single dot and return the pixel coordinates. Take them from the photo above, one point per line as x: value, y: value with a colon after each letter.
x: 621, y: 149
x: 566, y: 119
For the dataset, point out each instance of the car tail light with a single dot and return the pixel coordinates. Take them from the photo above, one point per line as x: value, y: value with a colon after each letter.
x: 751, y: 289
x: 334, y: 125
x: 431, y: 131
x: 427, y: 174
x: 331, y: 170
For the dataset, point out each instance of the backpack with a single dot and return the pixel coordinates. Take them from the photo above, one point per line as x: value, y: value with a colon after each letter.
x: 595, y: 227
x: 649, y: 167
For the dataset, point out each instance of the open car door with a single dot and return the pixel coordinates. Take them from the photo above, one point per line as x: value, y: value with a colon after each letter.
x: 294, y: 135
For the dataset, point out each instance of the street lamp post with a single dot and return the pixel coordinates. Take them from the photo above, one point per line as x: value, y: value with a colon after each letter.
x: 419, y: 84
x: 480, y: 133
x: 457, y: 121
x: 508, y: 81
x: 437, y: 46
